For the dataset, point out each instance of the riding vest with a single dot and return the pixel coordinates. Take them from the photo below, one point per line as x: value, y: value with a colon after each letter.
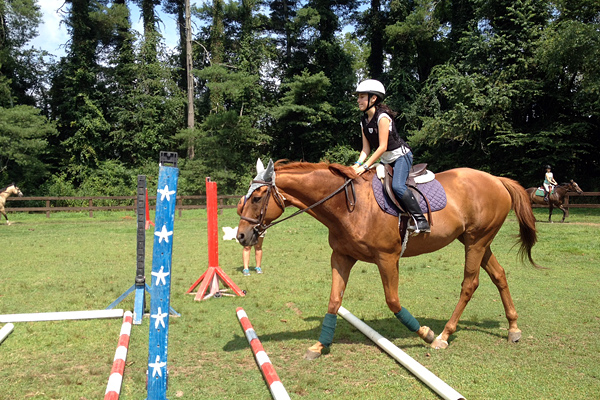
x: 396, y: 147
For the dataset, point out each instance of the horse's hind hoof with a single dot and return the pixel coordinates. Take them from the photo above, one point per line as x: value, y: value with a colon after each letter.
x: 311, y: 355
x: 514, y: 336
x: 426, y: 334
x: 439, y: 343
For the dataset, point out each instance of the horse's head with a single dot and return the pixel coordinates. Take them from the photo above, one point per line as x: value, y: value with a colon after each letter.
x: 13, y: 189
x: 256, y: 210
x: 574, y: 187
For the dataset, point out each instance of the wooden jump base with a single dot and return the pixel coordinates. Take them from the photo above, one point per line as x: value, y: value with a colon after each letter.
x: 5, y: 331
x: 418, y: 370
x: 275, y: 386
x: 62, y: 315
x: 113, y: 389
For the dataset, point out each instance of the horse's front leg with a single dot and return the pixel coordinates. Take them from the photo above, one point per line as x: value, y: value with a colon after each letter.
x: 340, y: 267
x: 550, y: 208
x: 388, y: 270
x: 5, y: 217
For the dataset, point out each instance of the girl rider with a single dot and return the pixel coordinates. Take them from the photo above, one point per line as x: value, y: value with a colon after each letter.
x: 379, y: 134
x: 548, y: 182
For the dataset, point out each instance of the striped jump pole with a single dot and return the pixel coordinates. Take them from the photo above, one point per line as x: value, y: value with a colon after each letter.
x: 275, y: 386
x: 113, y: 389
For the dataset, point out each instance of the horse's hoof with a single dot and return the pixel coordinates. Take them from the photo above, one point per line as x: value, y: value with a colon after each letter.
x: 314, y: 351
x: 514, y: 336
x: 439, y: 343
x: 426, y: 334
x: 311, y: 355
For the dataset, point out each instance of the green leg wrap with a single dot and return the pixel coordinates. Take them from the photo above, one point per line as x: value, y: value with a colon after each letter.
x: 327, y: 330
x: 408, y: 320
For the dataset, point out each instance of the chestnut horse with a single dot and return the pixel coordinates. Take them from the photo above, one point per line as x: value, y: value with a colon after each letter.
x: 556, y: 199
x: 4, y: 194
x: 477, y: 205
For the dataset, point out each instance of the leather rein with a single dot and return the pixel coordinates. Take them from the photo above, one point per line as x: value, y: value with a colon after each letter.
x: 259, y: 222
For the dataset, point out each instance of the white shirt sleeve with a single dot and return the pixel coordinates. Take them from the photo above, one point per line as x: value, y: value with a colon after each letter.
x: 385, y: 115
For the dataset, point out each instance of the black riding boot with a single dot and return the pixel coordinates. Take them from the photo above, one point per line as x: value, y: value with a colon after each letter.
x: 546, y: 195
x: 411, y: 205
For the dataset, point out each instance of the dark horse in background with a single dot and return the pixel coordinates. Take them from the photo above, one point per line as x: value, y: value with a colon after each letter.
x: 555, y: 199
x: 477, y: 206
x: 4, y: 194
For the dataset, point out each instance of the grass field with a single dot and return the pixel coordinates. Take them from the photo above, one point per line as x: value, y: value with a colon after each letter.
x: 72, y: 262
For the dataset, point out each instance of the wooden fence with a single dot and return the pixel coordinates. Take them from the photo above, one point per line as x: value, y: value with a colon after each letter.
x: 123, y: 203
x: 183, y: 203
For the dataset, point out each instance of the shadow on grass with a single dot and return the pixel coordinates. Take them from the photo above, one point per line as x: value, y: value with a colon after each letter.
x: 345, y: 332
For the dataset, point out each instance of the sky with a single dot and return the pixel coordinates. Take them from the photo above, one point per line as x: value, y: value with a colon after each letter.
x: 53, y: 36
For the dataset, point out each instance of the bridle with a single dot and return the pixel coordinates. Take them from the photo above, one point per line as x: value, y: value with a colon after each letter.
x: 259, y: 222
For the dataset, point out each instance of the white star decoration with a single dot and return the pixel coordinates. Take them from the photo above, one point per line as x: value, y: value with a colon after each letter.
x: 229, y: 233
x: 163, y: 234
x: 156, y: 366
x: 160, y: 318
x: 165, y: 193
x: 160, y: 275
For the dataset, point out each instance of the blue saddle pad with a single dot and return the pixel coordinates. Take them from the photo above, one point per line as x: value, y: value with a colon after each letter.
x: 434, y: 191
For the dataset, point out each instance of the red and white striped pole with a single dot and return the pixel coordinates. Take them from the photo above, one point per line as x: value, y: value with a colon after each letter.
x: 113, y: 389
x: 275, y: 386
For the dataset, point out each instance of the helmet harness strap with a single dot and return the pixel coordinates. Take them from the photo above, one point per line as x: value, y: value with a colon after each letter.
x: 369, y: 105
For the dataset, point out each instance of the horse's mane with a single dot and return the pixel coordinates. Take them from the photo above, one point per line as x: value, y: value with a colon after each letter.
x: 5, y: 188
x: 337, y: 169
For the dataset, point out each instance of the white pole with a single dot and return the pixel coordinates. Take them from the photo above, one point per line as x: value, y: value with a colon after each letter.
x: 5, y: 331
x: 63, y: 315
x: 435, y: 383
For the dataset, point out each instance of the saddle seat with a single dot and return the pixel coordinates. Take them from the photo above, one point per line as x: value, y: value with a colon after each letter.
x: 418, y: 174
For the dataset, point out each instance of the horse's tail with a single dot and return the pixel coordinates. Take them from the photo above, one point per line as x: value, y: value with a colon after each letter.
x: 521, y: 205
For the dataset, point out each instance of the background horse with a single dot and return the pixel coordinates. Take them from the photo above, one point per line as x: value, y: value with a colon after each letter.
x: 4, y: 194
x: 477, y: 205
x: 556, y: 199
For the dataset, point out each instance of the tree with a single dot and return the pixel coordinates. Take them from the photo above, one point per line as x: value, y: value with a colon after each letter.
x: 19, y: 67
x: 23, y: 144
x: 305, y: 118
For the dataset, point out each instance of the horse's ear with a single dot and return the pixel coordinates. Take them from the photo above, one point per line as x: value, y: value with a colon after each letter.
x: 269, y: 171
x: 259, y: 166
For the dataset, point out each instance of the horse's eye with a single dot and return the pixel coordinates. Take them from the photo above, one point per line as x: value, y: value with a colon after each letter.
x: 256, y: 199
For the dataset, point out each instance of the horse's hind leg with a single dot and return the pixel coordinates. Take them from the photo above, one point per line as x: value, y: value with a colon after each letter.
x: 491, y: 265
x: 473, y: 257
x: 565, y: 212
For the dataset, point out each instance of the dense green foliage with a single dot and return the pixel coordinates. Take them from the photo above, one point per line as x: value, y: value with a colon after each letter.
x: 498, y: 85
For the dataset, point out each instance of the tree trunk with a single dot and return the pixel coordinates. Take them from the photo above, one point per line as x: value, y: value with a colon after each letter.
x: 190, y: 77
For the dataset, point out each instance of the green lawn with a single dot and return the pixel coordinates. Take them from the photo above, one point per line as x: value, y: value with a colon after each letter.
x: 72, y: 262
